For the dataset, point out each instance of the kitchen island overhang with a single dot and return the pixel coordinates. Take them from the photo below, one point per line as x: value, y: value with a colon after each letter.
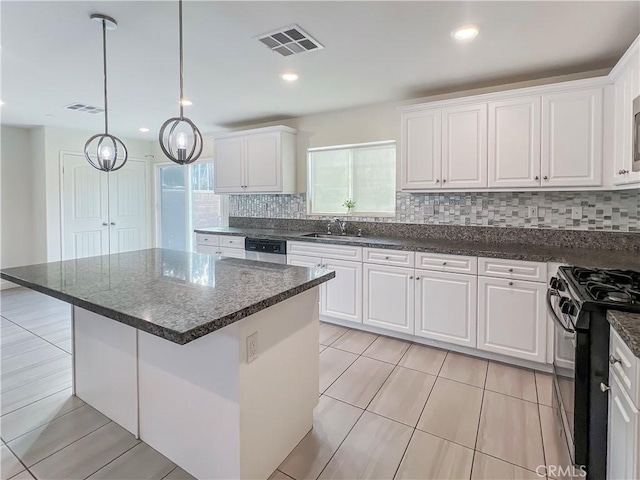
x: 179, y: 378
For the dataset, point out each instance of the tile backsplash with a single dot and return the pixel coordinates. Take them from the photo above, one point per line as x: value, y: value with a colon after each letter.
x: 601, y: 210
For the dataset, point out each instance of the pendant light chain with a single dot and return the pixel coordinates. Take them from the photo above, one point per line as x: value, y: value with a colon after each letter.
x: 104, y: 69
x: 181, y: 63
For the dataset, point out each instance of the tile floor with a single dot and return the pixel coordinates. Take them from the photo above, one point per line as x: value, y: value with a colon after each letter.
x: 387, y: 409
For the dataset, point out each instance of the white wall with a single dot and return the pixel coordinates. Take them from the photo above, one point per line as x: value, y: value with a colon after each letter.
x: 16, y: 199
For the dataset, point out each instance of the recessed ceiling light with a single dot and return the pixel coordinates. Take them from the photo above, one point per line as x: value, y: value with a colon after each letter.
x: 466, y: 32
x: 143, y: 129
x: 186, y: 102
x: 289, y: 76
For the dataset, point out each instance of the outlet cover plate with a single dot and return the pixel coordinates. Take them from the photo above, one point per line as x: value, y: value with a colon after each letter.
x: 252, y: 347
x: 576, y: 213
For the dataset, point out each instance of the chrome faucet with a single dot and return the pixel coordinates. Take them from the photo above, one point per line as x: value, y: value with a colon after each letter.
x: 342, y: 224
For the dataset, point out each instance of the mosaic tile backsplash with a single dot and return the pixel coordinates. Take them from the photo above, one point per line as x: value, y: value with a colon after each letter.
x: 605, y: 211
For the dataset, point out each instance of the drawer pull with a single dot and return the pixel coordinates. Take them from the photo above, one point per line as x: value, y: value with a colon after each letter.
x: 613, y: 360
x: 510, y: 283
x: 386, y: 258
x: 444, y: 263
x: 510, y: 270
x: 604, y: 388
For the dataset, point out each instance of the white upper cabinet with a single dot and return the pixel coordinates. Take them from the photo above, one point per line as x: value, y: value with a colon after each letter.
x: 572, y: 131
x: 256, y: 161
x: 514, y: 142
x: 421, y: 150
x: 464, y: 146
x: 626, y: 87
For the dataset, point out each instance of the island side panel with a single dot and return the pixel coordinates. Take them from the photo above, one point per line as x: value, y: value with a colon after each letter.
x: 279, y: 389
x: 105, y: 367
x: 189, y: 408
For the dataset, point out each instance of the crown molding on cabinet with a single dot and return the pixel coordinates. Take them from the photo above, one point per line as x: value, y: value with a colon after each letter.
x: 254, y: 131
x: 632, y: 52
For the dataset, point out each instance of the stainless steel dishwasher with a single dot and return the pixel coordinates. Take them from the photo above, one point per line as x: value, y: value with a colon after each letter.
x: 263, y: 250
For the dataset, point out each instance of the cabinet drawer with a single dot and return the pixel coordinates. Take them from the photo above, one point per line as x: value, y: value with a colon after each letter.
x: 211, y: 249
x: 206, y: 239
x: 325, y: 250
x: 447, y: 263
x: 514, y: 269
x: 383, y: 256
x: 232, y: 242
x: 232, y: 252
x: 625, y: 364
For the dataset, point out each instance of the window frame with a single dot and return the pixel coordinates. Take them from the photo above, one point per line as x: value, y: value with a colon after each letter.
x: 351, y: 147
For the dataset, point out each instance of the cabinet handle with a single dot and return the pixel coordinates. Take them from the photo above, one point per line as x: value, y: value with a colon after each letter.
x: 545, y: 177
x: 386, y: 258
x: 623, y: 172
x: 510, y: 270
x: 411, y: 277
x: 113, y: 223
x: 105, y: 224
x: 444, y: 180
x: 444, y: 263
x: 510, y: 284
x: 604, y: 387
x: 437, y: 180
x: 417, y: 278
x: 613, y: 360
x: 537, y: 177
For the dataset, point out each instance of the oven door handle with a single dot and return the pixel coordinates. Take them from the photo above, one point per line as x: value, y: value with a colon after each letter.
x: 552, y: 312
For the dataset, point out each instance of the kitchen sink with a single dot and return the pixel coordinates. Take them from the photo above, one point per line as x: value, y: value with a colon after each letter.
x: 334, y: 237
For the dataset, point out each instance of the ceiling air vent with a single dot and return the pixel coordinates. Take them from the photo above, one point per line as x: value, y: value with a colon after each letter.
x: 290, y: 41
x: 81, y: 107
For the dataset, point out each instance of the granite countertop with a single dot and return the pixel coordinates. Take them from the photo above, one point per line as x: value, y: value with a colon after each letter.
x: 179, y: 296
x: 628, y: 327
x: 583, y: 257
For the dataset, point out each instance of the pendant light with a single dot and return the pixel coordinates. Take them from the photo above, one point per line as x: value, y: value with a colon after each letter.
x: 105, y: 151
x: 180, y: 139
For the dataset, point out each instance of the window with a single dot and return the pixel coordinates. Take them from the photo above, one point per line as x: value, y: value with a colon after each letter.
x: 182, y: 209
x: 365, y: 173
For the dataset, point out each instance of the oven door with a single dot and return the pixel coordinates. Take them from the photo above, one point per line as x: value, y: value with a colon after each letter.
x: 564, y: 374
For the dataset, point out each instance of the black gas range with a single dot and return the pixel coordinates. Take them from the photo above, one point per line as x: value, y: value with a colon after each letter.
x: 578, y: 300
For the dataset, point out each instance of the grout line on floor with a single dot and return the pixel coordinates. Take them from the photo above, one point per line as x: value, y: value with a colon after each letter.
x: 172, y: 470
x: 6, y: 445
x: 35, y: 401
x: 35, y: 334
x: 138, y: 442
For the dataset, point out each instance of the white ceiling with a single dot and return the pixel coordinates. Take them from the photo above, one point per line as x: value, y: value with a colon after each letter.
x: 374, y: 52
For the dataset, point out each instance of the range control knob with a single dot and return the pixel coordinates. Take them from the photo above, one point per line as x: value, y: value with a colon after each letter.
x: 556, y: 284
x: 567, y: 307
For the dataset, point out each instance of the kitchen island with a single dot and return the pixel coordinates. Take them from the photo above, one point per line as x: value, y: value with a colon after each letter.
x: 211, y: 361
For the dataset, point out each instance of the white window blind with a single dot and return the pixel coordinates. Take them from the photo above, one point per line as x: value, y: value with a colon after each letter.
x: 365, y: 173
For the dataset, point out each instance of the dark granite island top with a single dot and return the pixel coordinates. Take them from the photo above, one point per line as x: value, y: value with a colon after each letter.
x: 627, y: 325
x: 179, y: 296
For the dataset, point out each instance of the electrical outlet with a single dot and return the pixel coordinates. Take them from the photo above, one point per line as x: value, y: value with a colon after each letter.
x: 252, y: 347
x: 576, y: 213
x: 532, y: 212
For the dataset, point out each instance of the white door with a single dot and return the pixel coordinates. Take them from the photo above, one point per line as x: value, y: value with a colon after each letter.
x: 341, y: 297
x: 464, y: 146
x: 512, y: 318
x: 514, y: 142
x: 572, y: 138
x: 446, y: 307
x: 263, y: 164
x: 85, y: 209
x: 623, y: 433
x: 228, y: 162
x: 388, y: 297
x: 421, y: 150
x: 128, y: 207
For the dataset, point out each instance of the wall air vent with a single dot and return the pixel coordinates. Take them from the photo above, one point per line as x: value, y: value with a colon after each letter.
x: 290, y: 41
x: 81, y: 107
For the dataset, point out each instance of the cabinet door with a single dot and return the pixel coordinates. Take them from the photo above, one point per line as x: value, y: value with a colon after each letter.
x: 626, y: 88
x: 232, y: 252
x: 228, y: 164
x: 572, y: 138
x: 421, y: 151
x: 445, y: 307
x: 464, y: 146
x: 512, y: 318
x: 263, y: 163
x: 341, y: 296
x: 622, y: 441
x: 388, y: 297
x: 302, y: 261
x: 514, y: 142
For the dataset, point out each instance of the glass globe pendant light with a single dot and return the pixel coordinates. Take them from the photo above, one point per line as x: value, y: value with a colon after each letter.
x: 180, y: 139
x: 105, y: 151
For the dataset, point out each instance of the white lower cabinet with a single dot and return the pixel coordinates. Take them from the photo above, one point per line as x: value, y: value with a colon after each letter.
x: 388, y: 299
x: 512, y: 318
x: 623, y: 433
x: 341, y: 297
x: 445, y: 307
